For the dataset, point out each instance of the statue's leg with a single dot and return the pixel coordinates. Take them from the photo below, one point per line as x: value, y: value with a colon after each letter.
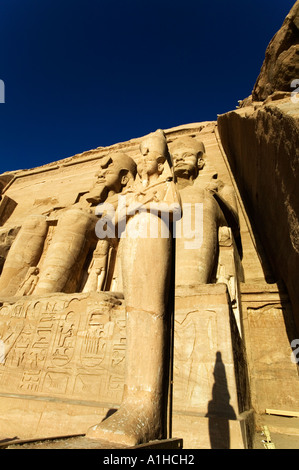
x: 208, y: 252
x: 65, y: 253
x: 23, y: 254
x: 146, y: 266
x: 197, y: 245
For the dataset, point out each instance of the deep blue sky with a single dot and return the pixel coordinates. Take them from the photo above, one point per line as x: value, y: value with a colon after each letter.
x: 86, y: 73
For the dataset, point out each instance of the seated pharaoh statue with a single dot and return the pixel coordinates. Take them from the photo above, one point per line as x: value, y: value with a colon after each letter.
x: 146, y: 261
x: 167, y: 210
x: 207, y: 205
x: 59, y: 268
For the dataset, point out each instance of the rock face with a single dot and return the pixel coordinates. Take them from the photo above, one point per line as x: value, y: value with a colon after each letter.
x: 261, y: 140
x: 281, y: 65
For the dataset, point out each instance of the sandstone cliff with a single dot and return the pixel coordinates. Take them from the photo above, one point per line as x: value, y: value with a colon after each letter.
x: 261, y: 140
x: 281, y: 64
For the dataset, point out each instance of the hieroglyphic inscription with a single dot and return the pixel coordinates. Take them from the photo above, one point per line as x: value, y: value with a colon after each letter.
x: 70, y: 347
x: 65, y: 340
x: 203, y: 371
x: 102, y: 355
x: 194, y: 351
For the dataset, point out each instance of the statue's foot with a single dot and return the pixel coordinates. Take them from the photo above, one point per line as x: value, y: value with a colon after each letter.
x: 130, y: 425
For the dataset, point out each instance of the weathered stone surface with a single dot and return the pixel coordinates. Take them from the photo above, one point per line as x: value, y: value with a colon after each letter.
x: 63, y: 346
x: 69, y: 354
x: 281, y: 65
x: 269, y: 329
x: 262, y: 142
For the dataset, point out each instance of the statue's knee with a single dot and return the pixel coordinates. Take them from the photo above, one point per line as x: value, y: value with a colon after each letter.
x: 75, y: 219
x: 34, y: 222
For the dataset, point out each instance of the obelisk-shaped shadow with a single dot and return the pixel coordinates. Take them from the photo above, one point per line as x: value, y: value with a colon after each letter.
x: 219, y: 409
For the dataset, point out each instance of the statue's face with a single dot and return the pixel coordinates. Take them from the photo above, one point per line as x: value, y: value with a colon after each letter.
x: 110, y: 175
x: 116, y: 171
x: 185, y: 162
x: 153, y: 152
x: 149, y: 165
